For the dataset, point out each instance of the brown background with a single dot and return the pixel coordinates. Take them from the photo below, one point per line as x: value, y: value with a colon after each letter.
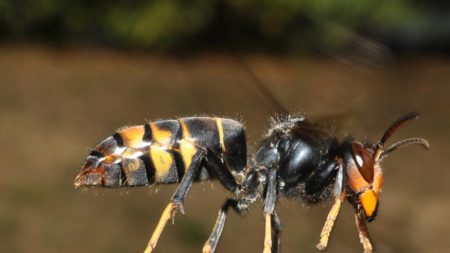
x: 54, y: 104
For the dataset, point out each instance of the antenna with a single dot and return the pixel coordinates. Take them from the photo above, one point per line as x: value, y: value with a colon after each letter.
x: 262, y: 88
x: 399, y: 122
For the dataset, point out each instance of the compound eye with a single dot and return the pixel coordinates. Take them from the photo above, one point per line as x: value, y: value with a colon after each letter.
x: 363, y: 161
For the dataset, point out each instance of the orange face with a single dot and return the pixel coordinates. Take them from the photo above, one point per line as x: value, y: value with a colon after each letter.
x: 365, y: 179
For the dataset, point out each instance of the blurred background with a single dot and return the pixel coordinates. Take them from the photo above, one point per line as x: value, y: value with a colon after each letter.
x: 71, y: 72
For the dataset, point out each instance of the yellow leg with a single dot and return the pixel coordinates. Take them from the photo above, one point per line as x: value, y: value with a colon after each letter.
x: 332, y: 215
x: 268, y: 235
x: 207, y: 249
x: 212, y: 241
x: 363, y: 233
x: 169, y: 212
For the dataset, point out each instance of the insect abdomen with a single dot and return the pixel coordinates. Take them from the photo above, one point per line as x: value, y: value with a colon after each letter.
x: 161, y: 151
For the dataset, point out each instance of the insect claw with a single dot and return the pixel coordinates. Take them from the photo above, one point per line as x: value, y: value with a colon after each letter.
x: 176, y: 207
x: 181, y: 209
x: 321, y: 247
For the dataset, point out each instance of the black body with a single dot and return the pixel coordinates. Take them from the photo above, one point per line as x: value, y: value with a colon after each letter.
x: 300, y: 152
x: 295, y: 159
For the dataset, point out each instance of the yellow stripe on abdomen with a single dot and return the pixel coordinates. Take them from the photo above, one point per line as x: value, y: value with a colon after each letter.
x: 160, y: 152
x: 161, y: 136
x: 221, y: 136
x: 132, y: 136
x: 162, y: 161
x: 187, y: 147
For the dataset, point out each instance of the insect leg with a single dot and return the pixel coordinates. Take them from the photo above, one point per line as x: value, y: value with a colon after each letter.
x: 332, y: 215
x: 227, y: 179
x: 213, y: 240
x: 276, y: 225
x: 363, y: 232
x: 223, y: 174
x: 322, y: 177
x: 269, y: 207
x: 176, y: 204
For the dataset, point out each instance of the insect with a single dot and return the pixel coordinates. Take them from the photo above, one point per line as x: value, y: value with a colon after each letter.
x: 295, y: 159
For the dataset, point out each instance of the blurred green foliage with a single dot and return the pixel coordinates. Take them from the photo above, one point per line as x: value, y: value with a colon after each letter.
x: 287, y: 25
